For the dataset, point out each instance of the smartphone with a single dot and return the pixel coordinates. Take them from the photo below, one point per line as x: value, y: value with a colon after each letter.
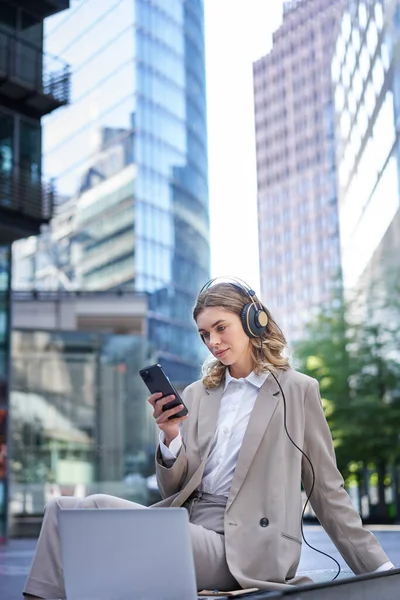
x: 157, y: 381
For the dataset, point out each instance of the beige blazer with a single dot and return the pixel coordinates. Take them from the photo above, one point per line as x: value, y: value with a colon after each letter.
x: 263, y: 513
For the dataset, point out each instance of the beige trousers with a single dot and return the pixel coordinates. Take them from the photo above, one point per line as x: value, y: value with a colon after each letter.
x: 206, y: 517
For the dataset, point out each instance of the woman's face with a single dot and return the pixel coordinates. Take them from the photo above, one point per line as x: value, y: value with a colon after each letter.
x: 223, y: 334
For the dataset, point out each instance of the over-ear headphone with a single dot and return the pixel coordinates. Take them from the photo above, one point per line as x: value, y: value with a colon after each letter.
x: 253, y: 315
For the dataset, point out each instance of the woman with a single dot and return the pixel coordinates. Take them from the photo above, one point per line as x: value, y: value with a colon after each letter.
x: 254, y: 431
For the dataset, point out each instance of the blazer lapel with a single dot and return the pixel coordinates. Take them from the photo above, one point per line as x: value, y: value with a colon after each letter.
x: 208, y: 417
x: 207, y: 423
x: 265, y: 405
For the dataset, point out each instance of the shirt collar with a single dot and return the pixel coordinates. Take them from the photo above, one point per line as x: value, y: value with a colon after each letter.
x: 253, y: 378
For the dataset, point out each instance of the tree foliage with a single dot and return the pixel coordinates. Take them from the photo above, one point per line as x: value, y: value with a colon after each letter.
x: 353, y: 349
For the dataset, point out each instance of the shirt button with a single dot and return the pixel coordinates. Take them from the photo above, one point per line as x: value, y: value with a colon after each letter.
x: 225, y: 430
x: 264, y: 522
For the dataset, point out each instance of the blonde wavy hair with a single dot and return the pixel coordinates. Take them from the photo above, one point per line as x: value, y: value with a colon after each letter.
x: 267, y: 354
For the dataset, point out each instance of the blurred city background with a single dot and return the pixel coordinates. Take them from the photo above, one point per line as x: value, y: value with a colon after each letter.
x: 147, y: 145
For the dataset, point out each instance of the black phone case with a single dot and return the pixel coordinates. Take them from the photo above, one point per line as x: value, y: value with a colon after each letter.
x: 156, y: 381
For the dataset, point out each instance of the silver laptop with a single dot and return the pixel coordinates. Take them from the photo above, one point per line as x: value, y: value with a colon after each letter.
x: 119, y: 554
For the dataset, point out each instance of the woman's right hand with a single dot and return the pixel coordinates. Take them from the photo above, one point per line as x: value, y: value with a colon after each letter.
x: 170, y: 427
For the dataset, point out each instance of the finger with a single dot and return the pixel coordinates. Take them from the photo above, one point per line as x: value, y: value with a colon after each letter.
x: 159, y: 405
x: 164, y: 425
x: 154, y: 398
x: 169, y: 413
x: 165, y: 400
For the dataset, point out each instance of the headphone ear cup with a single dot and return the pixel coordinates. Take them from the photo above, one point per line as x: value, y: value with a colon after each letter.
x: 244, y: 316
x: 254, y: 320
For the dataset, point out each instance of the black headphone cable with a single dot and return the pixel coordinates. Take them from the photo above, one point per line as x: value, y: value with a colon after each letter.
x: 313, y: 479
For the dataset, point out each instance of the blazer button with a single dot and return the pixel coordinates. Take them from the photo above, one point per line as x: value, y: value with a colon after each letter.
x: 264, y: 522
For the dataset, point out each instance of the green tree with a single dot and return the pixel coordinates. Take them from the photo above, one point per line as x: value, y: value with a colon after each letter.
x: 353, y: 350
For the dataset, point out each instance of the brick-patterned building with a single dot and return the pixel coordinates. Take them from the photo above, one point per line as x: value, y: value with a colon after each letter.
x: 296, y: 172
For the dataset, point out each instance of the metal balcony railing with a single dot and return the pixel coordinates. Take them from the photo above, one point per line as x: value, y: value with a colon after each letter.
x: 19, y: 194
x: 29, y: 75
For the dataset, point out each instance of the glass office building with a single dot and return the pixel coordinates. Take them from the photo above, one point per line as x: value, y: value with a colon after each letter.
x: 32, y: 84
x: 365, y: 71
x: 129, y: 156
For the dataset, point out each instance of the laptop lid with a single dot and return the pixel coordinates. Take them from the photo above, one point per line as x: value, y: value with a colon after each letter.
x: 119, y: 554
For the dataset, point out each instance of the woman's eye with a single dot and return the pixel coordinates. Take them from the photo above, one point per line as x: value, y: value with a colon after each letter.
x: 221, y: 328
x: 205, y: 335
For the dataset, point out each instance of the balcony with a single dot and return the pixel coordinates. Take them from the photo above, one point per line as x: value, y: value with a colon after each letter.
x: 31, y: 81
x: 24, y: 206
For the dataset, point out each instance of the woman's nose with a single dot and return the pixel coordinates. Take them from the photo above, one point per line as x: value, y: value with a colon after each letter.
x: 214, y: 339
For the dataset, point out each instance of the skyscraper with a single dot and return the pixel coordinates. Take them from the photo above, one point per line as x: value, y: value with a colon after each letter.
x: 130, y: 160
x: 32, y: 84
x: 366, y: 74
x: 296, y: 172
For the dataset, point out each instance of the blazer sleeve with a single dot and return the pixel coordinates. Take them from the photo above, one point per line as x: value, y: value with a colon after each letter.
x: 329, y: 500
x: 170, y: 479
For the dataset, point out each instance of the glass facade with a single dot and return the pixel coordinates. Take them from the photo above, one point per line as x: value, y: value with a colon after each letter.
x: 129, y: 157
x: 28, y: 92
x: 81, y: 423
x: 365, y: 103
x: 296, y: 167
x: 5, y: 275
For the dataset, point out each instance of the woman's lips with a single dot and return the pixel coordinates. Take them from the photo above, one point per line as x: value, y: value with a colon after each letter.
x: 221, y: 353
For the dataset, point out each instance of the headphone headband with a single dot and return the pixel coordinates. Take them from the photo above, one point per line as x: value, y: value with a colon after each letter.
x: 233, y: 281
x: 253, y: 315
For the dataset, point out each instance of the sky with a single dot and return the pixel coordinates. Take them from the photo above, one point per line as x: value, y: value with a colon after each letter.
x: 237, y: 32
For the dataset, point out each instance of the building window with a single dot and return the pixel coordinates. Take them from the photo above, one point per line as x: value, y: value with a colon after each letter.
x: 362, y: 120
x: 346, y: 27
x: 6, y: 142
x: 357, y: 86
x: 356, y: 40
x: 385, y: 56
x: 355, y: 141
x: 372, y: 38
x: 379, y: 15
x: 345, y: 124
x: 30, y: 150
x: 339, y: 98
x: 8, y: 17
x: 31, y: 29
x: 340, y: 50
x: 346, y: 77
x: 364, y: 63
x: 370, y: 99
x: 378, y: 76
x: 351, y: 102
x: 351, y: 59
x: 362, y: 15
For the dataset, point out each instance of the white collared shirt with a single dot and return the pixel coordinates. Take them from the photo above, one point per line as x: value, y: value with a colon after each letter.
x: 237, y: 402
